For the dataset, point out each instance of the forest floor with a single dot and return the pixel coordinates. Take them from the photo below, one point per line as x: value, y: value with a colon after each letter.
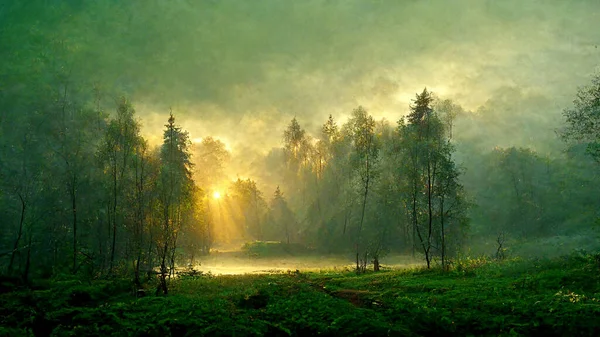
x: 553, y: 297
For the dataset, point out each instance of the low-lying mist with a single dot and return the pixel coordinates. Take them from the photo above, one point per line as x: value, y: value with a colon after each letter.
x: 238, y: 262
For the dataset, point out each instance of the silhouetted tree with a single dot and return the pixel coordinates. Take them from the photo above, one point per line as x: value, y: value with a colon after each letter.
x: 281, y: 218
x: 175, y: 186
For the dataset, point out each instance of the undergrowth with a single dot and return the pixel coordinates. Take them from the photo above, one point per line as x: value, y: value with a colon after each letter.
x: 477, y: 296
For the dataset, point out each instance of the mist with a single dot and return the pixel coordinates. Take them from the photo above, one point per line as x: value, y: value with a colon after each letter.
x: 334, y: 167
x: 256, y: 65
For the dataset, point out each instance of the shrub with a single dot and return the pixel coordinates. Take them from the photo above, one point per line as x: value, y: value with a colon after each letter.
x: 259, y: 249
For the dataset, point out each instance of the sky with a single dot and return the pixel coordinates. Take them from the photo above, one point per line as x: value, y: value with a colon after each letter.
x: 241, y: 70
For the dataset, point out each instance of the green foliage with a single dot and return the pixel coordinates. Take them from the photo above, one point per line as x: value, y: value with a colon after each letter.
x: 258, y: 249
x: 246, y: 196
x: 191, y: 273
x: 467, y: 266
x: 583, y: 117
x: 550, y: 297
x: 526, y: 196
x: 432, y: 196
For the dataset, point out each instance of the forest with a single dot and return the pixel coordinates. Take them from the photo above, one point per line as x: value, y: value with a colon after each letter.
x: 286, y: 169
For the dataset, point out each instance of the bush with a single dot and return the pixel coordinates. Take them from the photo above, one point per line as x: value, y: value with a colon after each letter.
x: 259, y: 249
x: 9, y: 283
x: 467, y: 265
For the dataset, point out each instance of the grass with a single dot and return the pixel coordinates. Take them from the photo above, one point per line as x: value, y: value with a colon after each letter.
x: 555, y: 297
x: 261, y: 249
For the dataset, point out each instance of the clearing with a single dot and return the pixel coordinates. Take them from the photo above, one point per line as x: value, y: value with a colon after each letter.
x: 554, y: 297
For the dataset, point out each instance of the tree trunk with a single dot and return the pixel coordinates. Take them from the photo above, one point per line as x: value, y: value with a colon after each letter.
x: 376, y: 263
x: 425, y: 248
x: 114, y: 222
x: 443, y: 233
x: 74, y: 210
x: 112, y: 248
x: 257, y: 214
x: 19, y: 235
x: 429, y: 214
x: 137, y: 269
x: 102, y: 241
x: 27, y: 261
x: 163, y: 272
x: 414, y: 218
x: 150, y: 258
x: 362, y: 216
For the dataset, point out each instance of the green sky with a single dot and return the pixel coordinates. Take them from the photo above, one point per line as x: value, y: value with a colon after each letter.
x: 240, y: 70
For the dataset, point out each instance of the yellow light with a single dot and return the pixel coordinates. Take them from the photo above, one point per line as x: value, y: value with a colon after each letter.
x: 216, y: 195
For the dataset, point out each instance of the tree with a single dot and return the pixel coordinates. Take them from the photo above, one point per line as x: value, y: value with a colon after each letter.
x: 281, y: 218
x: 116, y: 153
x: 299, y: 173
x: 421, y: 157
x: 451, y: 204
x: 145, y: 167
x: 175, y: 186
x: 295, y: 145
x: 448, y: 111
x: 361, y: 128
x: 251, y: 206
x: 583, y: 119
x: 384, y: 229
x: 212, y: 157
x: 432, y: 176
x: 331, y: 209
x: 194, y: 237
x: 23, y: 187
x: 72, y: 147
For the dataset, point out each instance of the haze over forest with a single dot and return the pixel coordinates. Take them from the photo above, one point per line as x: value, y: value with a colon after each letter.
x: 299, y: 167
x: 231, y: 69
x: 238, y: 75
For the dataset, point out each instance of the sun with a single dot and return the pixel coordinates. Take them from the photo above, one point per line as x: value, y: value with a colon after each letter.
x: 216, y: 194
